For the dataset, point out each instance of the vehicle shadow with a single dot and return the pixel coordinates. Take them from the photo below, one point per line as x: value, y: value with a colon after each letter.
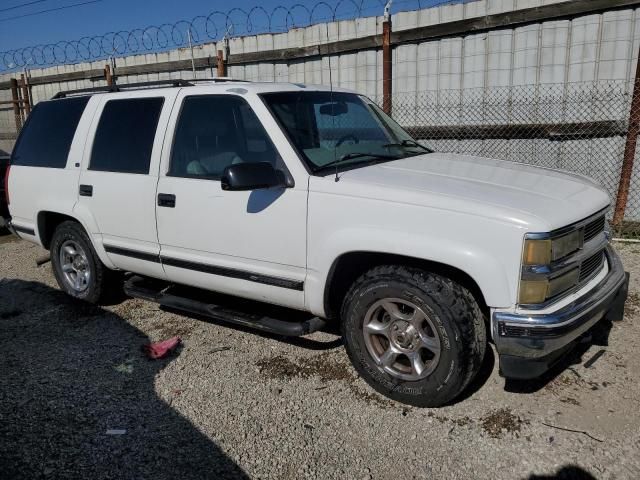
x: 70, y: 373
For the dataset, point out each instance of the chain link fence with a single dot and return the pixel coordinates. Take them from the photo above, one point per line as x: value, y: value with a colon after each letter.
x: 580, y: 128
x: 9, y: 129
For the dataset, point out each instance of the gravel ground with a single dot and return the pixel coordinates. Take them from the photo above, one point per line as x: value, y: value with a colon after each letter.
x: 232, y: 404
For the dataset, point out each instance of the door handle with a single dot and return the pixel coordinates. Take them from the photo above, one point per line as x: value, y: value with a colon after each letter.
x: 166, y: 200
x: 86, y: 190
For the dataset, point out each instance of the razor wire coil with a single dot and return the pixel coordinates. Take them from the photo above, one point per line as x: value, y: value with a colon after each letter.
x: 202, y: 29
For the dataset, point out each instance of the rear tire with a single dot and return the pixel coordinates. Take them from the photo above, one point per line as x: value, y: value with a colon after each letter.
x: 77, y: 268
x: 415, y: 337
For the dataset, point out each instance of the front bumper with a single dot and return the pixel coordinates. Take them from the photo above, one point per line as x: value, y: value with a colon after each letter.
x: 529, y: 344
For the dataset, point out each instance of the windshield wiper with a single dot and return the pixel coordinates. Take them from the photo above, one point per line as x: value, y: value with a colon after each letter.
x: 409, y: 143
x: 353, y: 155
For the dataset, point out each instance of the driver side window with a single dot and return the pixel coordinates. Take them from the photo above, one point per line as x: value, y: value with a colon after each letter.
x: 215, y: 131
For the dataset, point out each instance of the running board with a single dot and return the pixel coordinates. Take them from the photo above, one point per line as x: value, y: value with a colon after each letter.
x: 158, y: 292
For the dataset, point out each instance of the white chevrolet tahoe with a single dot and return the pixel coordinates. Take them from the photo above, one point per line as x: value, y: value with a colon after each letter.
x: 314, y: 199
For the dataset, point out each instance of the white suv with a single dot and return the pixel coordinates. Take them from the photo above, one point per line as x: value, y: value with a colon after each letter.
x: 314, y: 199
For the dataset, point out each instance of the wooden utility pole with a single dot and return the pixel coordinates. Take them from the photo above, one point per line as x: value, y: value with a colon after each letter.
x: 387, y: 61
x: 629, y: 150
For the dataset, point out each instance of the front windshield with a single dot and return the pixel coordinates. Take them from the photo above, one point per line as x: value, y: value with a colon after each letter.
x: 329, y: 128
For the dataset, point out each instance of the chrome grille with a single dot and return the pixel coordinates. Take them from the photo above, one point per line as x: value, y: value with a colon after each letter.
x: 593, y: 228
x: 591, y: 265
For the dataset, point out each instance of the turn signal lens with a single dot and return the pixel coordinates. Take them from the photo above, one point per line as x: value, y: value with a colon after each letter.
x: 533, y: 291
x: 536, y: 252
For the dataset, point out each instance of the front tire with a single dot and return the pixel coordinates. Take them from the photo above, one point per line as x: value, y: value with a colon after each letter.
x: 76, y: 266
x: 416, y: 337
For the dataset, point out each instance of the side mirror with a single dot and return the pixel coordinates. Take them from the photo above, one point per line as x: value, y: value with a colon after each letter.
x: 251, y: 176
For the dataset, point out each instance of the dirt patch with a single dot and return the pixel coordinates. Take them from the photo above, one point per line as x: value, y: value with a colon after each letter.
x: 326, y: 368
x: 462, y: 422
x: 501, y: 421
x: 574, y: 382
x: 563, y: 382
x: 323, y: 366
x: 570, y: 401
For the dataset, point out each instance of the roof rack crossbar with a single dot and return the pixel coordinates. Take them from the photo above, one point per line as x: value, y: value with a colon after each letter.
x: 125, y: 86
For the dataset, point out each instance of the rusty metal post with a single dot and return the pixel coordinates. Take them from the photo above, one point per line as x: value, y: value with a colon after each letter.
x: 387, y: 65
x: 221, y: 64
x: 629, y: 150
x: 15, y: 99
x: 26, y: 97
x: 107, y: 75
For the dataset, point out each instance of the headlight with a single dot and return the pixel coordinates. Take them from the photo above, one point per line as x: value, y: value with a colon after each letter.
x: 565, y: 245
x: 563, y: 282
x: 536, y: 252
x: 543, y: 252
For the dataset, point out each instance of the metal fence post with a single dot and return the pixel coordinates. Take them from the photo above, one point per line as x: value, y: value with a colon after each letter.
x: 221, y: 64
x: 26, y: 97
x: 629, y: 150
x: 107, y: 75
x: 15, y: 99
x: 387, y: 64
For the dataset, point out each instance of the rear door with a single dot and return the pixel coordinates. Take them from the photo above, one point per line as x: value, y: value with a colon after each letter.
x: 120, y: 175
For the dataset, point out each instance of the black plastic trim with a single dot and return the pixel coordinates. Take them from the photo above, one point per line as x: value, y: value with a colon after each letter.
x: 233, y: 273
x: 211, y: 269
x: 86, y: 190
x: 149, y: 257
x: 26, y: 231
x: 167, y: 200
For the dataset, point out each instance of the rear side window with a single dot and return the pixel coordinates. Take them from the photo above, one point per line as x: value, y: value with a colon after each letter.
x: 47, y: 135
x: 124, y: 139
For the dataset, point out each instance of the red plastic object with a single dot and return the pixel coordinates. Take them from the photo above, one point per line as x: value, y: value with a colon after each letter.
x: 161, y: 349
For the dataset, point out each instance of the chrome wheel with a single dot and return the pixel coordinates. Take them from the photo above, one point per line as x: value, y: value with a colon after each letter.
x: 75, y: 266
x: 402, y: 339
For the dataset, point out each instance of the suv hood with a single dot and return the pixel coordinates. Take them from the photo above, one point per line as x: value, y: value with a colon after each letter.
x: 538, y: 199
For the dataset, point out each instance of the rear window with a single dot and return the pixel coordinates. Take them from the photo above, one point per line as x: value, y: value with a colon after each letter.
x: 46, y: 137
x: 125, y: 135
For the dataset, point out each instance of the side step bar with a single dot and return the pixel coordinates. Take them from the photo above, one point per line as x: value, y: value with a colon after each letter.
x: 153, y: 291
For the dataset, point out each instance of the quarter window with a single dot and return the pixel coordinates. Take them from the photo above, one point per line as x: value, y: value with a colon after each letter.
x: 215, y: 131
x: 125, y: 135
x: 46, y: 138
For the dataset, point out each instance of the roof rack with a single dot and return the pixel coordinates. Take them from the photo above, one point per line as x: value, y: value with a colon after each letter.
x: 125, y: 86
x: 142, y: 85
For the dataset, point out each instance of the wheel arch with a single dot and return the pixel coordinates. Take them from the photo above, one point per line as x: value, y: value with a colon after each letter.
x: 346, y: 268
x: 48, y: 220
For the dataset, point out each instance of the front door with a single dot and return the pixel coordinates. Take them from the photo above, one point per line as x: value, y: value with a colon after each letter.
x: 251, y: 244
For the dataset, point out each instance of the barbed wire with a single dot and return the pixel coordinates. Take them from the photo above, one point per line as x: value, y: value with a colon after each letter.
x: 202, y: 29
